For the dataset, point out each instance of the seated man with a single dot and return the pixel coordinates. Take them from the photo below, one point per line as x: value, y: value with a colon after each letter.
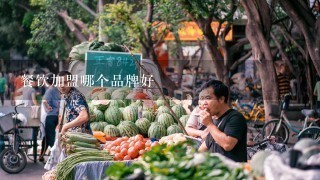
x: 228, y: 134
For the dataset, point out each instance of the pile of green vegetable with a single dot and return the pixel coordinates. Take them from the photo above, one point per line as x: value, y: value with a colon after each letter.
x: 64, y: 170
x: 175, y: 162
x: 76, y: 142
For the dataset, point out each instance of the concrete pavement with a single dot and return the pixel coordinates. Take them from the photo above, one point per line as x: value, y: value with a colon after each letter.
x: 33, y: 171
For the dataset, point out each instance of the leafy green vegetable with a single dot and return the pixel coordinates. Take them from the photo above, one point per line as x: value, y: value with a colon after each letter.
x: 177, y: 162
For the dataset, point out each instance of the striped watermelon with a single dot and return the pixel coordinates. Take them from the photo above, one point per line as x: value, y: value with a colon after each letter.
x: 95, y: 126
x: 111, y: 130
x: 174, y: 129
x: 143, y: 124
x: 160, y: 102
x: 137, y: 103
x: 111, y: 89
x: 148, y: 115
x: 157, y: 131
x: 113, y: 115
x: 128, y: 128
x: 102, y: 105
x: 166, y: 120
x: 98, y: 115
x: 117, y: 103
x: 184, y: 119
x: 179, y: 110
x: 104, y: 95
x: 102, y: 125
x: 119, y: 94
x: 163, y: 109
x: 130, y: 113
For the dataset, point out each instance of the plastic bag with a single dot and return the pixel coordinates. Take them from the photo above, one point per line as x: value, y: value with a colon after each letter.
x: 54, y: 155
x: 276, y: 169
x: 43, y: 120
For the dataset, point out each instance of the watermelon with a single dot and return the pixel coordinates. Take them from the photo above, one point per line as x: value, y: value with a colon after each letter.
x: 119, y: 94
x: 163, y: 109
x: 148, y: 115
x: 157, y: 131
x: 143, y: 124
x: 117, y: 103
x: 102, y: 105
x: 153, y: 124
x: 166, y: 120
x: 137, y: 103
x: 102, y: 125
x: 98, y: 115
x: 95, y: 126
x: 130, y: 113
x: 160, y: 102
x: 91, y: 108
x: 111, y: 89
x: 184, y: 119
x: 111, y: 130
x: 113, y: 115
x: 179, y: 110
x: 103, y: 95
x: 173, y: 129
x: 128, y: 128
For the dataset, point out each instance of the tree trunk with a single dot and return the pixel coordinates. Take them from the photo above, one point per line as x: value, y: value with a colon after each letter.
x: 165, y: 80
x: 308, y: 25
x: 257, y: 31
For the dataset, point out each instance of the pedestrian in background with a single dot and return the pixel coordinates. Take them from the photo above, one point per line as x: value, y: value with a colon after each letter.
x: 316, y: 92
x: 3, y: 87
x: 51, y: 102
x: 29, y: 93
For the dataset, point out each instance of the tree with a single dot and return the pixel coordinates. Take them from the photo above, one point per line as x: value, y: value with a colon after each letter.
x: 309, y: 24
x: 127, y: 26
x: 203, y: 13
x: 258, y: 33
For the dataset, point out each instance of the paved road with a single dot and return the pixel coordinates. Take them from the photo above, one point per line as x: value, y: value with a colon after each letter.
x: 33, y: 171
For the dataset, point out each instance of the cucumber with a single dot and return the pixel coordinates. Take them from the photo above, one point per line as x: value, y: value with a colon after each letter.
x: 86, y: 145
x: 78, y: 133
x: 77, y: 138
x: 80, y: 149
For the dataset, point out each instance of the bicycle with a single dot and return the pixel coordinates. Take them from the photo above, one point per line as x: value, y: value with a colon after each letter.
x: 12, y: 159
x: 255, y: 117
x: 279, y: 128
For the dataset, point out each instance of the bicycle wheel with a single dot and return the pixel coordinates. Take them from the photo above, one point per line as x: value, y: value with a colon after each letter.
x: 281, y: 133
x: 11, y: 162
x: 310, y: 132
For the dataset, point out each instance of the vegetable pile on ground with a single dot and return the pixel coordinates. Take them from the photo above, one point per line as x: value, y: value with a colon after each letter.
x: 176, y: 162
x: 77, y: 142
x: 64, y: 170
x: 126, y: 148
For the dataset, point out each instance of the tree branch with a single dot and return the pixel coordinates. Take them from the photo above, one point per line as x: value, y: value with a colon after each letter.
x: 239, y: 44
x: 23, y: 6
x: 84, y: 6
x: 283, y: 54
x: 71, y: 26
x: 293, y: 41
x: 240, y: 61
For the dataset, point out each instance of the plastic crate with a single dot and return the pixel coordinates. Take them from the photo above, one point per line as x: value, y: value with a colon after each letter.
x: 6, y: 123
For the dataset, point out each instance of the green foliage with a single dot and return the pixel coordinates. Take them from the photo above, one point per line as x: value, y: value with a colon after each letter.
x: 50, y: 32
x: 177, y: 162
x: 12, y: 32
